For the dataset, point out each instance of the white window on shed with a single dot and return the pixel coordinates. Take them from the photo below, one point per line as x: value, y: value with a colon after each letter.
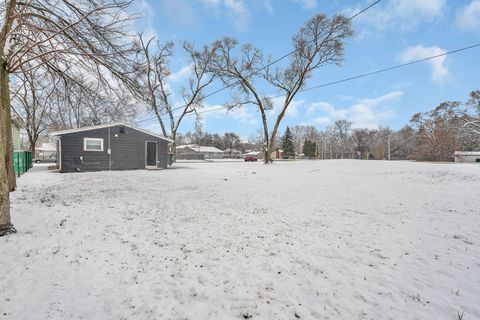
x: 92, y: 144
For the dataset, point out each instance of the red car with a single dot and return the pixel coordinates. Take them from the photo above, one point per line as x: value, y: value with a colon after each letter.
x: 250, y: 158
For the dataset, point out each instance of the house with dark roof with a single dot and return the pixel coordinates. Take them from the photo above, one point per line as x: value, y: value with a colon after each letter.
x: 116, y: 146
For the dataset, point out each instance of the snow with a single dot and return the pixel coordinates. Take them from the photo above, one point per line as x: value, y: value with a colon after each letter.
x: 339, y: 239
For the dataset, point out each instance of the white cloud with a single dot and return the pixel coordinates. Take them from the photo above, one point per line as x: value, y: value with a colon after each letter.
x: 468, y: 17
x: 365, y: 113
x: 322, y: 120
x: 244, y: 114
x: 398, y: 14
x: 181, y: 75
x: 322, y: 106
x: 241, y: 13
x: 180, y: 12
x: 145, y: 25
x: 267, y: 4
x: 292, y: 110
x: 382, y: 99
x: 439, y: 71
x: 236, y: 8
x: 307, y: 4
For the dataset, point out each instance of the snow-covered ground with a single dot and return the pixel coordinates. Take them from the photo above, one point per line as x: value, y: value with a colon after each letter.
x: 307, y: 239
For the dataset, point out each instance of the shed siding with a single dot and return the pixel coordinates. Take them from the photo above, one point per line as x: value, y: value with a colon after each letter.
x: 127, y: 150
x: 16, y: 136
x: 162, y: 154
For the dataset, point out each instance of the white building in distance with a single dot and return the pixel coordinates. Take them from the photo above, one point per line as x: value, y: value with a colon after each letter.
x: 467, y: 156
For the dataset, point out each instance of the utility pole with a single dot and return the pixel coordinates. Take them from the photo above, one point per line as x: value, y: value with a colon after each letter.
x: 388, y: 147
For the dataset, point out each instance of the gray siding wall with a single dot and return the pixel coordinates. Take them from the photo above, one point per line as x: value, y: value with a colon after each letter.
x: 127, y: 150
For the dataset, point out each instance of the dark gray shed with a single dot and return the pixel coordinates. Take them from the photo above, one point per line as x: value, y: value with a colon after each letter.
x: 115, y: 146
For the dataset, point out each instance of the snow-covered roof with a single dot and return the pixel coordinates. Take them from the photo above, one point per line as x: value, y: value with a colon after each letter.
x: 253, y: 153
x: 232, y: 150
x: 197, y: 148
x: 60, y: 133
x: 183, y: 146
x: 467, y: 153
x: 17, y: 121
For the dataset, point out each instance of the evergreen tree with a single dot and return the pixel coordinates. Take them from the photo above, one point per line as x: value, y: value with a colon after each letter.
x: 309, y: 149
x: 287, y: 145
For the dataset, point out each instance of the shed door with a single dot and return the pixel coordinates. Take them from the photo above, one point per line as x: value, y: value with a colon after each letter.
x: 151, y: 154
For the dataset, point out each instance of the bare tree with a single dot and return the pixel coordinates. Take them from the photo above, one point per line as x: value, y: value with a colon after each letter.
x: 437, y: 132
x: 231, y: 141
x: 317, y: 43
x: 361, y: 139
x: 31, y: 100
x: 342, y: 138
x: 298, y: 135
x: 63, y: 37
x: 88, y: 102
x: 472, y: 113
x: 378, y: 142
x: 403, y: 143
x: 256, y: 139
x: 153, y: 70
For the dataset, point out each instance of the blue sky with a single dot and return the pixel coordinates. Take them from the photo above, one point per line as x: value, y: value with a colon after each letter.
x: 390, y: 33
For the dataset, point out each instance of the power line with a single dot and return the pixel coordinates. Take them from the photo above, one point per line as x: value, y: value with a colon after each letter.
x: 263, y: 68
x: 390, y: 68
x: 369, y: 73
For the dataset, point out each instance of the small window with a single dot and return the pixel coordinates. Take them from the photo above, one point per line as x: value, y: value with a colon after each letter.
x: 92, y: 144
x: 122, y: 130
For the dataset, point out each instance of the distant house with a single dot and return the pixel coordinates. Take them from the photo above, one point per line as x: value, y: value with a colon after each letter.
x: 197, y: 152
x: 17, y: 126
x: 253, y: 153
x: 232, y: 153
x: 467, y: 156
x: 277, y: 154
x: 46, y: 151
x: 115, y: 146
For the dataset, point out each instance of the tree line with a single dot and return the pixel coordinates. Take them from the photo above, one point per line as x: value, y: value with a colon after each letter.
x: 429, y: 136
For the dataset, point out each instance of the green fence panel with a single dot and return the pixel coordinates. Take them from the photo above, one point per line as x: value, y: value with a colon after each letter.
x: 22, y: 162
x: 30, y: 160
x: 15, y: 163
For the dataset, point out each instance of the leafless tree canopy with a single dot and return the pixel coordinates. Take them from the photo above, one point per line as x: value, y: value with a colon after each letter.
x: 63, y: 39
x: 472, y: 114
x: 320, y: 41
x: 152, y: 76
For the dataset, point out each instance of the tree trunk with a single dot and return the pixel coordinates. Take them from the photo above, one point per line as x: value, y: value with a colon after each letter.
x: 7, y: 174
x: 6, y: 226
x: 33, y: 142
x: 32, y: 150
x: 6, y: 129
x: 266, y: 147
x: 174, y: 146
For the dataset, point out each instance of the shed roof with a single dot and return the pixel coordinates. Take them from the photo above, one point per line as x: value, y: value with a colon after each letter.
x: 467, y: 153
x: 17, y: 120
x: 63, y: 132
x: 197, y: 148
